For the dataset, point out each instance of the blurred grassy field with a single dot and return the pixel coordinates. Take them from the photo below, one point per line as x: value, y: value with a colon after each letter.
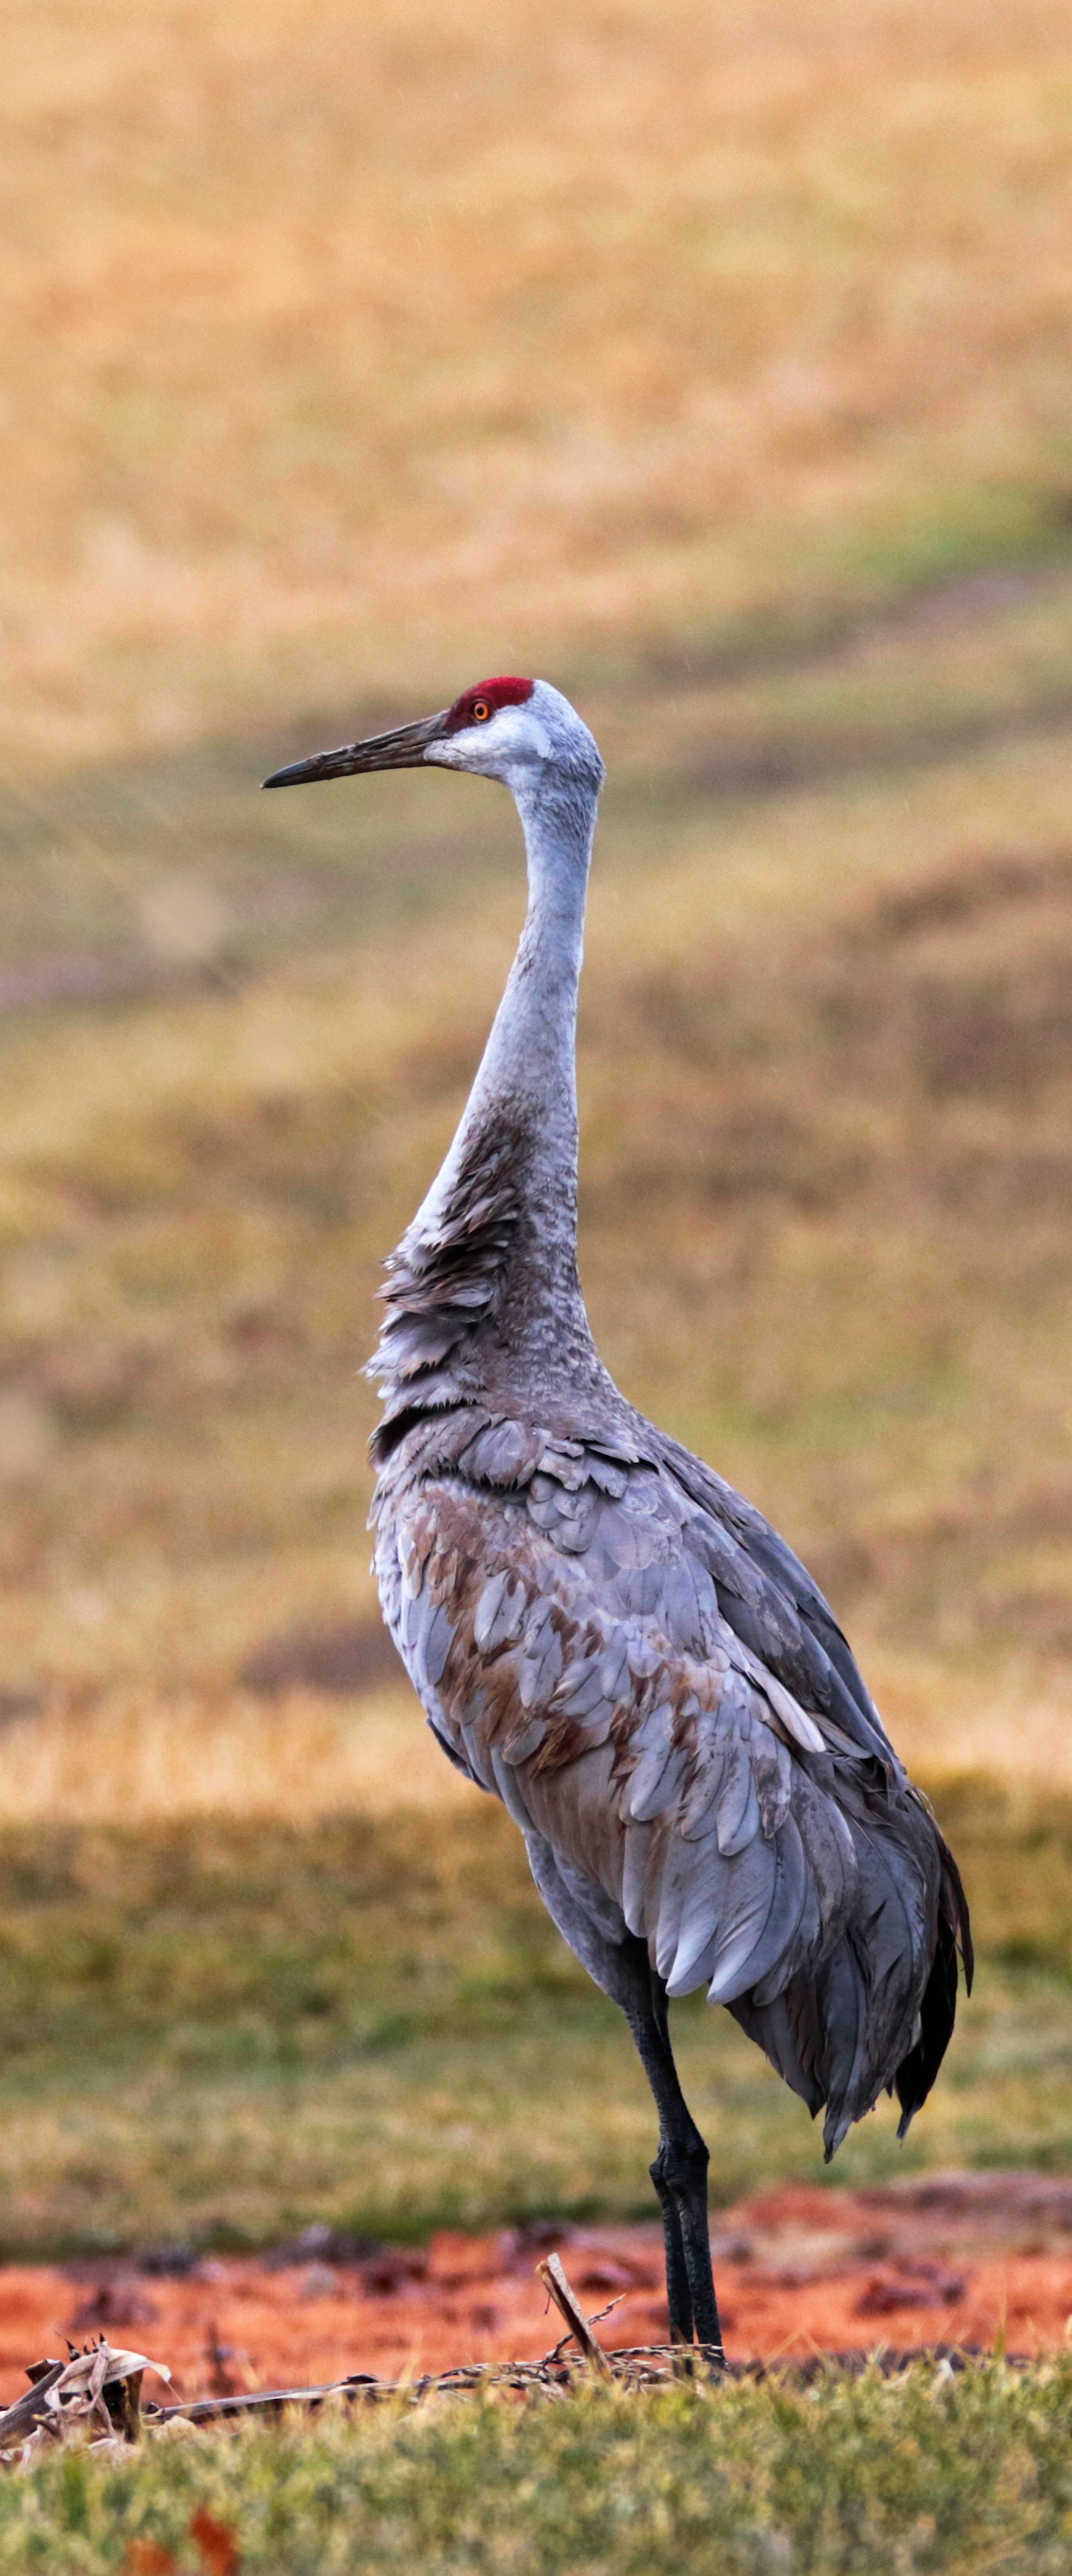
x: 224, y: 2031
x: 716, y: 363
x: 344, y: 343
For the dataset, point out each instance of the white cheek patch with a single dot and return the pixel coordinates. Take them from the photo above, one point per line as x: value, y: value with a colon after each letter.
x: 514, y: 734
x: 520, y: 734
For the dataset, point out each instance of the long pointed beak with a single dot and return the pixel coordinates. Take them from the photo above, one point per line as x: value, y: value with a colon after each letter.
x: 405, y: 748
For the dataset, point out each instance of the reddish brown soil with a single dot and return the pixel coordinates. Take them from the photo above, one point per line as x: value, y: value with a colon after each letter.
x: 960, y: 2258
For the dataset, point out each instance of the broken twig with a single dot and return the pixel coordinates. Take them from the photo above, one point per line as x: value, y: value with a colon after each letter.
x: 550, y: 2272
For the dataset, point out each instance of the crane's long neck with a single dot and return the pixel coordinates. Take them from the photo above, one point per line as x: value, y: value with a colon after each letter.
x: 483, y: 1293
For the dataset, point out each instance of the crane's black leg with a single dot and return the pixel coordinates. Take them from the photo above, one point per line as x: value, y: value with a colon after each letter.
x: 619, y: 1962
x: 679, y: 2174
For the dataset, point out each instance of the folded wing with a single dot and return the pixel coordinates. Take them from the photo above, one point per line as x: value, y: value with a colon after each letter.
x: 611, y: 1641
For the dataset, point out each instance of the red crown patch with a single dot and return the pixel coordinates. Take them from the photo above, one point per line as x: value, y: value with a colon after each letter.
x: 477, y: 706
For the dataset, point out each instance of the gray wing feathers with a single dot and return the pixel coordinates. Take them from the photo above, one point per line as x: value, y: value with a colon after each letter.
x: 630, y: 1659
x: 707, y: 1863
x: 425, y: 1639
x: 500, y: 1612
x: 737, y: 1808
x: 581, y: 1691
x: 655, y: 1783
x: 769, y: 1597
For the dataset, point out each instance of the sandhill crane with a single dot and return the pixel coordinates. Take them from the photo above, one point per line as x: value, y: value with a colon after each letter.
x: 603, y: 1633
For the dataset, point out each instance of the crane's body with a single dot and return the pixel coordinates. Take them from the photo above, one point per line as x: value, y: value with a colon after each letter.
x: 603, y: 1634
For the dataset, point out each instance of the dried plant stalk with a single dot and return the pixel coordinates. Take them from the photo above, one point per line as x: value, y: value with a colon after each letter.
x: 566, y: 2301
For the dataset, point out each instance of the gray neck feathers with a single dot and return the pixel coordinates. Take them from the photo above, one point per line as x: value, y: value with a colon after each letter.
x: 483, y: 1296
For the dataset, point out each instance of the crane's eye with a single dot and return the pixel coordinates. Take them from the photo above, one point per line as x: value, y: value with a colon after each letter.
x: 481, y: 711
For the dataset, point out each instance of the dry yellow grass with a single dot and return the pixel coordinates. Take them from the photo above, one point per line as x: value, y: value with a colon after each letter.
x: 133, y: 1761
x: 159, y: 1759
x: 351, y: 347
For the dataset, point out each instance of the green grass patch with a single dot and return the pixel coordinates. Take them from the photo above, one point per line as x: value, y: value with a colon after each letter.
x: 230, y: 2031
x: 848, y: 2478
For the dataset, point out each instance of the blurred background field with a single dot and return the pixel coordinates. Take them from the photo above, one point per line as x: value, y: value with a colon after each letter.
x: 717, y: 364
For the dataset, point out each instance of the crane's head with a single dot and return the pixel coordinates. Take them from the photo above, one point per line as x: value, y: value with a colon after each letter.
x: 521, y: 731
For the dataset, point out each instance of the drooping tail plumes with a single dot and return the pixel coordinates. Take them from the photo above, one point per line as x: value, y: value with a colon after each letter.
x: 885, y: 1997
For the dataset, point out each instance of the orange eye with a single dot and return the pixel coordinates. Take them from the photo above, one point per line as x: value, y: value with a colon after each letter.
x: 481, y: 711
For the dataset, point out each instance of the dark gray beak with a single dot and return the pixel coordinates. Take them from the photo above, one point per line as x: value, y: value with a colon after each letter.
x: 403, y: 749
